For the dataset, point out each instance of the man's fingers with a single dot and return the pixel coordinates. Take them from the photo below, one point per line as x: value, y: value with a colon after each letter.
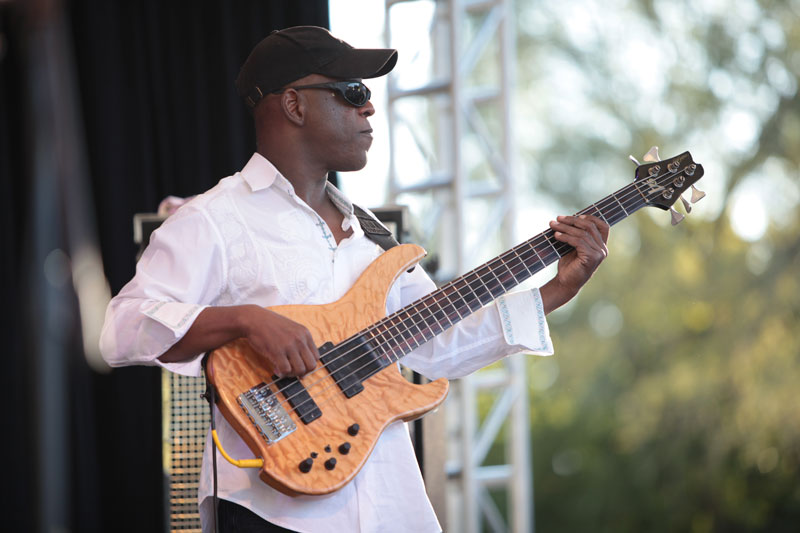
x: 297, y: 362
x: 310, y: 354
x: 583, y: 228
x: 597, y: 226
x: 281, y: 365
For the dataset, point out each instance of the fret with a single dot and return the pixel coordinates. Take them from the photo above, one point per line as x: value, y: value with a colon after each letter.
x: 513, y: 281
x: 473, y: 300
x: 463, y: 290
x: 620, y: 204
x: 389, y: 339
x: 380, y: 347
x: 547, y: 238
x: 616, y: 215
x: 535, y: 251
x: 431, y: 320
x: 545, y: 250
x: 410, y: 325
x: 479, y: 288
x: 440, y: 313
x: 395, y: 352
x: 412, y: 340
x: 487, y: 294
x: 397, y: 334
x: 422, y: 308
x: 450, y: 302
x: 515, y: 267
x: 507, y: 280
x: 521, y: 260
x: 494, y: 285
x: 635, y: 184
x: 599, y: 212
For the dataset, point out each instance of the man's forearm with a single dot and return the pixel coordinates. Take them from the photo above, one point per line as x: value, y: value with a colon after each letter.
x: 286, y: 345
x: 554, y: 295
x: 212, y: 328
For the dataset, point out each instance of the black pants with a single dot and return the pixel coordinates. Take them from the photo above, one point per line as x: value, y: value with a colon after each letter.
x: 237, y: 519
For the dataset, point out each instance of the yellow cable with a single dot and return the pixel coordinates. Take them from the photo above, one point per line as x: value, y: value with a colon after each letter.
x: 241, y: 463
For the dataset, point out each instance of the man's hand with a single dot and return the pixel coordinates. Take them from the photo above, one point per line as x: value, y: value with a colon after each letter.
x: 286, y: 345
x: 588, y: 235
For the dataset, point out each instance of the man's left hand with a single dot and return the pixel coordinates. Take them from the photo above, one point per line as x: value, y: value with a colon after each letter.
x: 588, y: 236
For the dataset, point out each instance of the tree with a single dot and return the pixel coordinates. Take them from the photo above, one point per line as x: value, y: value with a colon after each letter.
x: 671, y: 402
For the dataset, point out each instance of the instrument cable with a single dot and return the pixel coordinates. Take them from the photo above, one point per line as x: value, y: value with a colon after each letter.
x: 211, y: 397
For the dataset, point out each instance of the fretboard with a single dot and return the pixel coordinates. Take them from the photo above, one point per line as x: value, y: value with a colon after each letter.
x: 403, y: 331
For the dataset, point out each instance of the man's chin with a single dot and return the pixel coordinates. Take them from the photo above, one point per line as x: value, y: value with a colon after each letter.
x: 352, y: 166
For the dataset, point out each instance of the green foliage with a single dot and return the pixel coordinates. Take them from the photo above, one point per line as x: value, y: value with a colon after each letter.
x: 672, y: 401
x: 686, y: 418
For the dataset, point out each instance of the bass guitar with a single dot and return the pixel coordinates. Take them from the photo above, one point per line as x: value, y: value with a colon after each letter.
x: 313, y: 434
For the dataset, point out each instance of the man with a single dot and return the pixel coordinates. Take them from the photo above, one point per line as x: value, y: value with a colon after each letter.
x: 278, y: 233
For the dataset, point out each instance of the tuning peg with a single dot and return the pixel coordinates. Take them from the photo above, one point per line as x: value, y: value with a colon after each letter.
x: 635, y: 162
x: 686, y: 205
x: 676, y: 217
x: 652, y: 155
x: 697, y: 194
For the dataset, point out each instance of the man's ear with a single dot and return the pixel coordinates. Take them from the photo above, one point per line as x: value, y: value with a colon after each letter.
x: 293, y: 106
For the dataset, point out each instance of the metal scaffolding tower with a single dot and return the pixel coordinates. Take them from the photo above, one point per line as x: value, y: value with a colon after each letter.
x: 452, y: 162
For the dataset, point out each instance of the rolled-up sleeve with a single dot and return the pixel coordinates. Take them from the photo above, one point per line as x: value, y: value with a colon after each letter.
x: 179, y: 274
x: 513, y: 323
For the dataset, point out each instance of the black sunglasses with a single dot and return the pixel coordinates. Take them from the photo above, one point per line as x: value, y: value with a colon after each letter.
x: 354, y: 93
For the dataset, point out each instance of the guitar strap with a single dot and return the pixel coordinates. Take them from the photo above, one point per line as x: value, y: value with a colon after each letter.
x: 374, y: 230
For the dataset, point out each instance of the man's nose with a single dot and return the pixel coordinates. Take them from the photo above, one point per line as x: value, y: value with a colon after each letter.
x: 368, y: 109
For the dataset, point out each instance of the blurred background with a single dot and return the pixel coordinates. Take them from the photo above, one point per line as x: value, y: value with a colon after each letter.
x: 671, y: 402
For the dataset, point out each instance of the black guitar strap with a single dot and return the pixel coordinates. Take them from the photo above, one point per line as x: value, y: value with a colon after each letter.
x: 374, y: 230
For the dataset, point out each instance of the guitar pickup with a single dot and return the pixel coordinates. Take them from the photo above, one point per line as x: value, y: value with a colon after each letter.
x: 351, y: 362
x: 299, y: 398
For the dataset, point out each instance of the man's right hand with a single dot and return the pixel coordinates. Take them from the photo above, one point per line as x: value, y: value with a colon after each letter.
x: 285, y: 344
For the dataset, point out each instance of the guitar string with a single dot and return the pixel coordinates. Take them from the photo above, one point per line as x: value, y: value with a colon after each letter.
x: 630, y: 191
x: 451, y: 309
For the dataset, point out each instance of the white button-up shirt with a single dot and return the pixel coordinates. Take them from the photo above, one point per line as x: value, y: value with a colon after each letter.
x: 251, y: 240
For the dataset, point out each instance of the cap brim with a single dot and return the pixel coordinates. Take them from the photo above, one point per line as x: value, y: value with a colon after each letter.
x: 362, y: 63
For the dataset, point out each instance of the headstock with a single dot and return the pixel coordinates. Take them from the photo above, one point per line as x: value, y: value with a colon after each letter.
x: 662, y: 182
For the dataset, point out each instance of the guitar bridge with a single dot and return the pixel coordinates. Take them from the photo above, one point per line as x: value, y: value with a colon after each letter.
x: 266, y: 413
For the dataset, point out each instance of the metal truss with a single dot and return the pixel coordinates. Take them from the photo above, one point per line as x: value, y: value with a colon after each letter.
x: 452, y: 162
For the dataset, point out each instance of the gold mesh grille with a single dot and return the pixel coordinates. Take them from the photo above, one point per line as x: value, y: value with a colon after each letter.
x: 185, y: 425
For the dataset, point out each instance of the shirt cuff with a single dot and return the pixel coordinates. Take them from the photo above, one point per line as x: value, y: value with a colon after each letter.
x: 178, y: 318
x: 175, y: 316
x: 523, y: 321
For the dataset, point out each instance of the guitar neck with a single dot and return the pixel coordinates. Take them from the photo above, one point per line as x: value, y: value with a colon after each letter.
x: 419, y: 322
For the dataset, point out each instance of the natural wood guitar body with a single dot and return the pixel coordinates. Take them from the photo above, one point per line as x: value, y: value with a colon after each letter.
x: 387, y: 396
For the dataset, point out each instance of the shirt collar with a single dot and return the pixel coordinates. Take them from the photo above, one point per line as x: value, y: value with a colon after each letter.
x: 345, y: 207
x: 260, y: 174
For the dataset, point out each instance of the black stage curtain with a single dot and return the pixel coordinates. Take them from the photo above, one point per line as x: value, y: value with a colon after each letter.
x: 160, y: 116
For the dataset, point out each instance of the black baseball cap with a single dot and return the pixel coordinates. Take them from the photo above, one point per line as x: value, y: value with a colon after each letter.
x: 293, y: 53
